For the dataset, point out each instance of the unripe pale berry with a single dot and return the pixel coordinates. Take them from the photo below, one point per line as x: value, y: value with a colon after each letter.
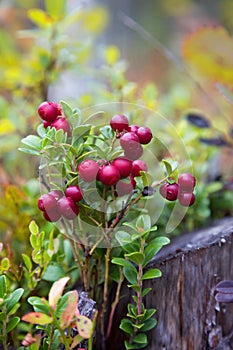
x: 62, y: 123
x: 123, y: 188
x: 187, y: 182
x: 124, y: 166
x: 144, y: 134
x: 67, y: 208
x: 52, y: 215
x: 134, y: 153
x: 137, y: 166
x: 186, y: 199
x: 47, y: 202
x: 75, y: 193
x: 169, y: 191
x: 57, y: 194
x: 119, y: 122
x: 88, y: 170
x: 49, y: 111
x: 109, y: 175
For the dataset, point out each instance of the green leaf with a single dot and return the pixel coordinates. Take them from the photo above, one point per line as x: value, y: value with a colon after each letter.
x: 32, y: 141
x: 13, y: 298
x: 62, y: 303
x: 126, y: 326
x: 29, y: 151
x: 39, y: 304
x: 130, y: 275
x: 124, y: 263
x: 145, y: 292
x: 170, y: 166
x: 136, y: 257
x: 150, y: 274
x: 53, y: 272
x: 59, y: 136
x: 148, y: 314
x: 147, y: 178
x: 149, y: 324
x: 33, y: 228
x: 144, y: 222
x: 67, y: 110
x: 3, y: 316
x: 153, y: 248
x: 37, y: 318
x: 81, y: 131
x: 123, y: 237
x: 27, y: 262
x: 140, y: 338
x: 12, y: 324
x: 56, y: 9
x: 5, y: 264
x: 134, y: 346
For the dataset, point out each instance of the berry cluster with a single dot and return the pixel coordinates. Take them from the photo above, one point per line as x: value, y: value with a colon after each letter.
x: 55, y: 204
x: 51, y: 113
x: 132, y: 137
x: 109, y: 173
x: 183, y: 190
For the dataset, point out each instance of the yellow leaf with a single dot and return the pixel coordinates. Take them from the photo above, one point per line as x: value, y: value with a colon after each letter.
x: 95, y: 19
x: 112, y: 54
x: 85, y: 327
x: 209, y: 52
x: 6, y: 127
x: 40, y: 18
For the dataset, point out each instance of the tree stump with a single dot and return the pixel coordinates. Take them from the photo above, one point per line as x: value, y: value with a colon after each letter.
x: 188, y: 316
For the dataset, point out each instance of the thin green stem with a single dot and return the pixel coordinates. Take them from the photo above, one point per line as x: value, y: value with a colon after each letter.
x: 57, y: 325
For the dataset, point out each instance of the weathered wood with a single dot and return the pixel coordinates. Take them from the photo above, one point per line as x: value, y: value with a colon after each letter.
x: 188, y: 316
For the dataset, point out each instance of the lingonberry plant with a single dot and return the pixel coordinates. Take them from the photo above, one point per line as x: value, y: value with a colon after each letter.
x: 95, y: 186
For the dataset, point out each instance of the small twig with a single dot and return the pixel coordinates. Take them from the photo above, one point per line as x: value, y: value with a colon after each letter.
x: 114, y: 304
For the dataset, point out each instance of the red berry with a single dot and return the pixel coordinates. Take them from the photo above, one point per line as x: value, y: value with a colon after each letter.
x: 144, y: 134
x: 52, y: 215
x: 119, y: 122
x: 67, y: 208
x: 88, y: 170
x: 57, y: 194
x: 124, y: 166
x: 186, y: 199
x: 169, y: 191
x: 137, y: 166
x: 134, y: 153
x: 132, y: 181
x: 75, y: 193
x: 109, y: 175
x: 62, y: 123
x: 187, y: 182
x: 133, y: 128
x: 46, y: 124
x: 49, y: 111
x: 123, y: 188
x: 46, y: 202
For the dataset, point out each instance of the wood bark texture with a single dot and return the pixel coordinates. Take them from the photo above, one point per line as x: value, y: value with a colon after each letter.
x: 188, y: 316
